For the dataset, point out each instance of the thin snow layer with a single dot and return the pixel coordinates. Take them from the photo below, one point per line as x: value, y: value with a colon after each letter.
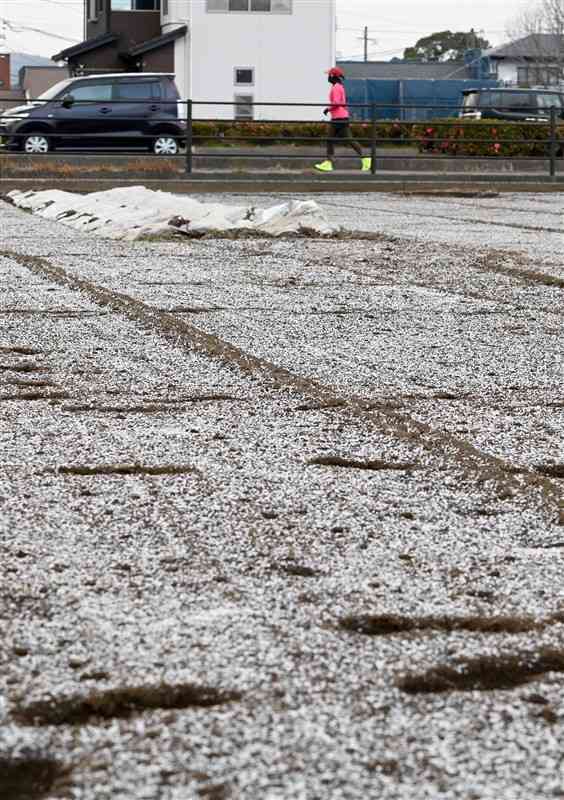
x: 235, y: 570
x: 134, y: 212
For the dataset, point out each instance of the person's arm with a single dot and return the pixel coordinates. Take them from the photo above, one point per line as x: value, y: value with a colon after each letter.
x: 328, y: 109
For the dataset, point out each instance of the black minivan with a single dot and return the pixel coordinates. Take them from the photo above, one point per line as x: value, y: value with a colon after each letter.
x: 519, y: 105
x: 125, y: 109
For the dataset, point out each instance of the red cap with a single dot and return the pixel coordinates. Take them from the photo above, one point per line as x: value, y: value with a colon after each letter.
x: 335, y: 72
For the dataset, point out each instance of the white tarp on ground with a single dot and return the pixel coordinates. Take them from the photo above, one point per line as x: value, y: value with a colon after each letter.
x: 133, y: 212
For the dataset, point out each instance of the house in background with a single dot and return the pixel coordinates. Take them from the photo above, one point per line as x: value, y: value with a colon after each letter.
x: 5, y: 71
x: 235, y: 51
x: 9, y: 98
x: 124, y: 36
x: 534, y: 60
x: 33, y: 81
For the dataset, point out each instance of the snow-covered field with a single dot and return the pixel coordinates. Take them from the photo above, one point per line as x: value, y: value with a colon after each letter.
x: 284, y: 519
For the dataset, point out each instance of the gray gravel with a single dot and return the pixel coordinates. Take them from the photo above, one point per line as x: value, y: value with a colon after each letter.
x: 227, y: 559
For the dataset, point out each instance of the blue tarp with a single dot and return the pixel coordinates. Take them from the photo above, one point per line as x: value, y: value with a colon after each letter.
x: 430, y: 98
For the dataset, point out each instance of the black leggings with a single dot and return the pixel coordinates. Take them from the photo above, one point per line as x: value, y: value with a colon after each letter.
x: 340, y: 129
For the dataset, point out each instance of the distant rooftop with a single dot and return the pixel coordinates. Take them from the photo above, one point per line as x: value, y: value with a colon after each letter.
x: 405, y: 70
x: 545, y: 45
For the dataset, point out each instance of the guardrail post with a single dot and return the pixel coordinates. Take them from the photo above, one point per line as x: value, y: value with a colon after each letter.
x: 373, y: 144
x: 553, y: 143
x: 189, y: 137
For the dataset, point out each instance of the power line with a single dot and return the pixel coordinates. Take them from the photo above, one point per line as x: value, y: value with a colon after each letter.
x: 16, y: 27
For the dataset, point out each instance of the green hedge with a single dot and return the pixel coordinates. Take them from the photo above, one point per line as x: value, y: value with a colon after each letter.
x: 222, y: 133
x: 444, y: 136
x: 483, y: 137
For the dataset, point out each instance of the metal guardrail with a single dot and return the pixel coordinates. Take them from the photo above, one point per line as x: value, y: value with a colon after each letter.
x: 551, y: 141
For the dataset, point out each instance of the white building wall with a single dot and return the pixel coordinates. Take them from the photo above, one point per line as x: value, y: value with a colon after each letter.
x: 288, y: 52
x: 179, y: 12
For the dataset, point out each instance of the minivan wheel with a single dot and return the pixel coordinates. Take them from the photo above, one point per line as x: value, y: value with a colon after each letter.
x: 165, y: 145
x: 36, y: 144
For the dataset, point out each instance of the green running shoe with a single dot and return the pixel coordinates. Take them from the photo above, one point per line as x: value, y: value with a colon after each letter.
x: 366, y: 164
x: 325, y: 166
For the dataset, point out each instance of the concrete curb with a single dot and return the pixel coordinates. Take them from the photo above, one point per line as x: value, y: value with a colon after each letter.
x: 298, y: 184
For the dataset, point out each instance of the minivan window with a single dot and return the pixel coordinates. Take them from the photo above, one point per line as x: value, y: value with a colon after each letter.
x: 95, y: 92
x: 49, y: 94
x: 516, y: 101
x: 546, y: 100
x: 471, y: 100
x: 138, y: 91
x: 170, y: 90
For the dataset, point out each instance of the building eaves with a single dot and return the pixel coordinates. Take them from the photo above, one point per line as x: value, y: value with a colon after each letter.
x: 84, y: 47
x: 158, y: 41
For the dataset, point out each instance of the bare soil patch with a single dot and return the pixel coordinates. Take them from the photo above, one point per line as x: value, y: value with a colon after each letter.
x: 127, y: 469
x: 351, y: 463
x: 386, y: 624
x: 485, y: 673
x: 121, y: 703
x: 29, y: 777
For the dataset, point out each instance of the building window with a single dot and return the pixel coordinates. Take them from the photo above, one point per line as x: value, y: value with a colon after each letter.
x: 92, y: 10
x: 538, y: 76
x: 522, y: 76
x: 100, y: 7
x: 136, y: 5
x: 244, y: 76
x: 165, y: 8
x: 250, y: 6
x: 244, y: 107
x: 544, y: 76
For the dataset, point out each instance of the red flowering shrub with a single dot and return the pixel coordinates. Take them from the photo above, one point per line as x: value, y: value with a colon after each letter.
x: 479, y: 138
x: 443, y: 136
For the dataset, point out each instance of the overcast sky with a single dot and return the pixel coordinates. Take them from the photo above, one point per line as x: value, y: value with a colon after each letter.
x: 392, y: 25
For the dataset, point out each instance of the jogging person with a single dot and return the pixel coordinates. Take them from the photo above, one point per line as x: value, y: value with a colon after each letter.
x: 340, y: 123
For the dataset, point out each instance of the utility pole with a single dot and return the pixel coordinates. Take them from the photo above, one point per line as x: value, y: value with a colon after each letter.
x: 365, y: 38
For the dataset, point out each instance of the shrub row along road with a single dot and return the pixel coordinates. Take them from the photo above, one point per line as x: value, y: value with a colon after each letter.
x: 283, y: 519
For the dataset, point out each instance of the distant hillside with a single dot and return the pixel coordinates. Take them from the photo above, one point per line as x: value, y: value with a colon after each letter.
x: 19, y: 60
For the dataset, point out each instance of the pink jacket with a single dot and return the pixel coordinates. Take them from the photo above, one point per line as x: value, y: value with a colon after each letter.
x: 338, y: 102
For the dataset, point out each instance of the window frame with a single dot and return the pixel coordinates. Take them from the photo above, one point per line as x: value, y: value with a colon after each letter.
x: 249, y: 99
x: 156, y: 7
x: 243, y: 83
x: 249, y: 10
x: 523, y: 75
